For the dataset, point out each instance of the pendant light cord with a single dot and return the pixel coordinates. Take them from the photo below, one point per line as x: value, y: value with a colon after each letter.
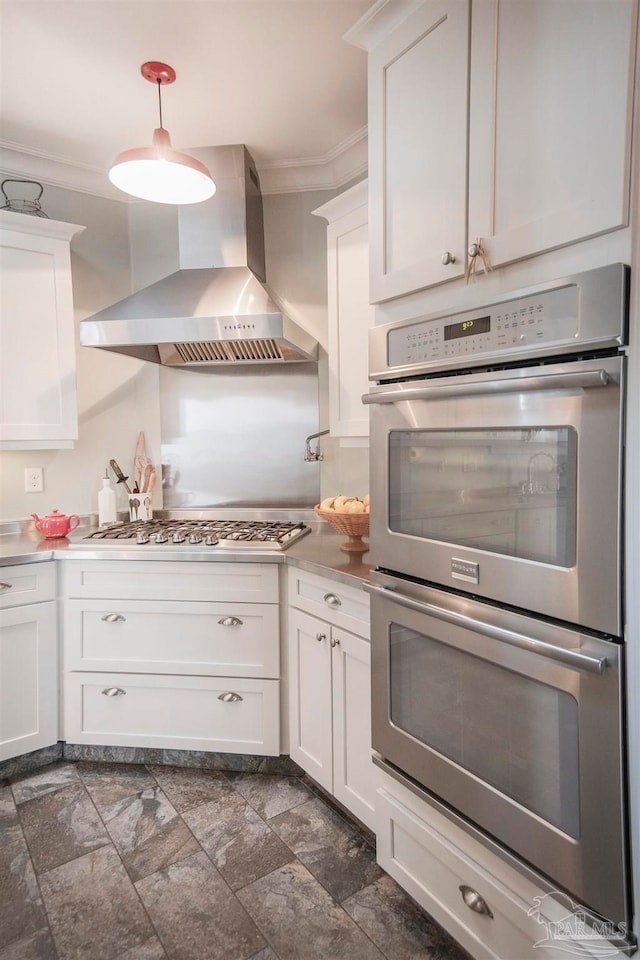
x: 160, y: 101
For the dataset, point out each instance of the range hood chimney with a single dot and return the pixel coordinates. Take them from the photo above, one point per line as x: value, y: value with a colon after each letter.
x: 216, y: 309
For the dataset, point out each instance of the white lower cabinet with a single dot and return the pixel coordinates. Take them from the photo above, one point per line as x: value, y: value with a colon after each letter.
x: 330, y: 691
x: 28, y: 659
x: 227, y: 715
x: 494, y: 911
x: 198, y: 669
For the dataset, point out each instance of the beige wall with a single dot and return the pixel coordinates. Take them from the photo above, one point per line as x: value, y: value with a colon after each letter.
x: 125, y: 247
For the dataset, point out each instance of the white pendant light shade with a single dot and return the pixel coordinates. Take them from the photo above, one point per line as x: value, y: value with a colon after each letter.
x: 159, y: 173
x: 162, y: 174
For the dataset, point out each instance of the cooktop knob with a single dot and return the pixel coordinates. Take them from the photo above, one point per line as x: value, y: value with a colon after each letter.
x: 142, y: 537
x: 178, y: 537
x: 161, y: 537
x: 211, y: 540
x: 195, y: 538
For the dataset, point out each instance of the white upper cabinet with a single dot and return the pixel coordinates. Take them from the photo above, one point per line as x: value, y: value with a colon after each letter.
x: 37, y: 334
x: 418, y: 150
x: 550, y: 122
x: 506, y: 120
x: 349, y: 313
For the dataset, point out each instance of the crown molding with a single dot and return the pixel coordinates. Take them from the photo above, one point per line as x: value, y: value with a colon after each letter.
x: 330, y: 172
x: 344, y: 203
x: 23, y: 162
x: 378, y: 21
x: 339, y: 166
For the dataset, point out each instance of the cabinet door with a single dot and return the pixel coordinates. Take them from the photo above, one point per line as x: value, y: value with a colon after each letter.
x: 550, y: 122
x: 418, y: 102
x: 28, y: 679
x: 349, y: 313
x: 354, y: 775
x: 310, y: 696
x: 37, y: 361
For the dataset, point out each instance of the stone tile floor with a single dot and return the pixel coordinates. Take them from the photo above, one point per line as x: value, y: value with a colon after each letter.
x: 109, y: 861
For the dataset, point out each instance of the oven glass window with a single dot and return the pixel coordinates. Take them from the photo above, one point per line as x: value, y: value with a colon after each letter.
x: 506, y: 491
x: 516, y: 734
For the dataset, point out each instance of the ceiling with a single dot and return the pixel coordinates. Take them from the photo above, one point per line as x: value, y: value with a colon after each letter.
x: 272, y: 74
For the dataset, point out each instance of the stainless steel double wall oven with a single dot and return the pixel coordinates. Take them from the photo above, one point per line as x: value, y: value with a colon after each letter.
x: 497, y: 615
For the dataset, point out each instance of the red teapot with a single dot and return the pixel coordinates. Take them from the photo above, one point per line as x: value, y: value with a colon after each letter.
x: 55, y: 524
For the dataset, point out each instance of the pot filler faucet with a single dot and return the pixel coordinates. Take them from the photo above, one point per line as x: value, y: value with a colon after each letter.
x: 309, y: 455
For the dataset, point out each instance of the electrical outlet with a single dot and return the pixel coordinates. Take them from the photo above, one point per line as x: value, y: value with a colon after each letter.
x: 33, y: 479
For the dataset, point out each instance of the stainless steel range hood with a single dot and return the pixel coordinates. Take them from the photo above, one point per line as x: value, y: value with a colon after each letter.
x: 216, y: 309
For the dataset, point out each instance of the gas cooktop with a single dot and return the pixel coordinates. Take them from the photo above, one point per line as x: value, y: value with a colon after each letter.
x: 236, y: 534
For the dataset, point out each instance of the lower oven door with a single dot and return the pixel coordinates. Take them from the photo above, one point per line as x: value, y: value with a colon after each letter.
x: 514, y: 723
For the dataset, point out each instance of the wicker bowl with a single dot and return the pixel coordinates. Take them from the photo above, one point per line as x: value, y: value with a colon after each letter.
x: 354, y: 525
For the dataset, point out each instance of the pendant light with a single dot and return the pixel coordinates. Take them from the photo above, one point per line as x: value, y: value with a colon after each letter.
x: 159, y: 173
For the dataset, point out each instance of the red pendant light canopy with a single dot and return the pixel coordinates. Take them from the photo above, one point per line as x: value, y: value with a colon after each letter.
x: 159, y: 173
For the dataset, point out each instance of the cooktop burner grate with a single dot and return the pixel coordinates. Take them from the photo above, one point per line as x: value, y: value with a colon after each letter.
x: 273, y: 535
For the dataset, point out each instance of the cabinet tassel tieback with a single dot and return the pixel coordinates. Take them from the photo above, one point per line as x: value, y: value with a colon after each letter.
x: 476, y: 251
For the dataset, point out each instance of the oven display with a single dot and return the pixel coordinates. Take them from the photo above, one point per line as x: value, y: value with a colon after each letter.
x: 468, y: 328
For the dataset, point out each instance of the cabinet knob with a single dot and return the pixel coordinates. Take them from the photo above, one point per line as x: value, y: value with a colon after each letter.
x: 114, y: 692
x: 320, y: 637
x: 474, y: 249
x: 474, y: 901
x: 334, y: 642
x: 114, y: 618
x: 229, y: 697
x: 230, y: 622
x: 447, y: 258
x: 332, y: 600
x: 5, y: 586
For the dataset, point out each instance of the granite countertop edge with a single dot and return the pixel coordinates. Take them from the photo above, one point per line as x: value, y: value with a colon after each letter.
x: 318, y: 552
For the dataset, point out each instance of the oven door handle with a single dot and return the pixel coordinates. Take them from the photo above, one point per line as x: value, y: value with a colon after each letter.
x: 544, y: 381
x: 539, y: 647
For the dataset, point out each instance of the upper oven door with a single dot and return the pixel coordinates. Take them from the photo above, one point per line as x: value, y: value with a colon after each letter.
x: 506, y: 485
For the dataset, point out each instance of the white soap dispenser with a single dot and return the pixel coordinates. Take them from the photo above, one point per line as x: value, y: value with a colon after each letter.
x: 106, y: 503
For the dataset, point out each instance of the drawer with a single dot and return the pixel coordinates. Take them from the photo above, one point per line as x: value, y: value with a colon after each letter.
x: 165, y: 580
x: 174, y: 713
x: 27, y: 583
x: 216, y: 639
x: 430, y: 857
x: 345, y: 606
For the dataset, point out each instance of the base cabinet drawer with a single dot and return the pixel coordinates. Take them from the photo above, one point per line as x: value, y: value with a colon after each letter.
x: 345, y: 606
x: 449, y: 873
x: 217, y: 639
x: 165, y: 580
x: 187, y: 713
x: 27, y: 583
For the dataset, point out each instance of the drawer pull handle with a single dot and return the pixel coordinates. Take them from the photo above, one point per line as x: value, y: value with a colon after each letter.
x: 230, y: 622
x: 334, y: 642
x: 5, y: 586
x: 114, y: 692
x: 114, y: 618
x: 320, y: 637
x: 229, y: 697
x: 332, y: 600
x: 474, y: 901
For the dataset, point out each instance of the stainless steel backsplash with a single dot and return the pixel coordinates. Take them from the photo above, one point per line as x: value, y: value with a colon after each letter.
x: 236, y: 438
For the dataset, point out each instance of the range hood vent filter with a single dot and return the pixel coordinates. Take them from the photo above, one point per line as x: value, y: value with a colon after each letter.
x: 225, y: 351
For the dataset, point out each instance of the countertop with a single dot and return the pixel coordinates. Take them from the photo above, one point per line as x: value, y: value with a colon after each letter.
x: 318, y: 552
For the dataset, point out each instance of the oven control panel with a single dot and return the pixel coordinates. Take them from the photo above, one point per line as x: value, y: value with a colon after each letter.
x: 551, y: 317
